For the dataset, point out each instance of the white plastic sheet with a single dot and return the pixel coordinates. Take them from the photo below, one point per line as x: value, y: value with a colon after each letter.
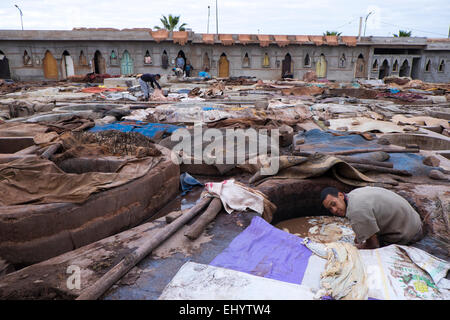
x: 196, y: 281
x: 405, y: 273
x: 391, y: 273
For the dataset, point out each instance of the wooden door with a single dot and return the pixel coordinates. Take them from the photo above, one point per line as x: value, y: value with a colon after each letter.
x: 50, y: 66
x: 126, y: 65
x: 286, y: 66
x: 360, y: 68
x: 67, y: 67
x: 224, y: 67
x: 321, y: 67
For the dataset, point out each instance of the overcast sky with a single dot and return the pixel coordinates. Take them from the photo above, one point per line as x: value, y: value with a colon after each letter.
x: 424, y: 18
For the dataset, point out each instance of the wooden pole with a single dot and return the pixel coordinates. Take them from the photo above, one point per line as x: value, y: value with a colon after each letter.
x: 94, y: 291
x: 196, y: 229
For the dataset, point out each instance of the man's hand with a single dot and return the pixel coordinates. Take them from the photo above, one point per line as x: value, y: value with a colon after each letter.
x: 370, y: 243
x: 360, y: 245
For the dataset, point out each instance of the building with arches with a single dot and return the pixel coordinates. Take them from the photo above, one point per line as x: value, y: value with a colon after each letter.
x: 55, y: 55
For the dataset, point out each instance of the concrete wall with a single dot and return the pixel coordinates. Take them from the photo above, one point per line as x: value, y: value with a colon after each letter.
x: 14, y: 50
x: 435, y: 58
x: 14, y: 45
x: 415, y: 63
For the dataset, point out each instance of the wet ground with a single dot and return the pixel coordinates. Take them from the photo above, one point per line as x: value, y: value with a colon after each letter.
x: 149, y: 278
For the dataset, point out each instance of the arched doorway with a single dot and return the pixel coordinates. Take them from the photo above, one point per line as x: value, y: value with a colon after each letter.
x: 224, y: 66
x: 67, y: 65
x: 206, y: 62
x: 164, y: 60
x: 307, y: 61
x: 180, y: 61
x: 99, y: 63
x: 384, y: 70
x: 246, y: 61
x: 126, y: 64
x: 321, y: 67
x: 342, y: 61
x: 404, y: 69
x: 266, y: 60
x: 360, y: 71
x: 286, y: 67
x: 4, y: 67
x: 415, y: 68
x: 395, y: 66
x: 50, y: 66
x: 441, y: 67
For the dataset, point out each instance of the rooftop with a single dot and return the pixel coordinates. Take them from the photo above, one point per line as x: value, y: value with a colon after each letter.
x: 183, y: 37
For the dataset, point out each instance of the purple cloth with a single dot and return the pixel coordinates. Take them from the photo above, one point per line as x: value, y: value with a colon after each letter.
x: 266, y: 251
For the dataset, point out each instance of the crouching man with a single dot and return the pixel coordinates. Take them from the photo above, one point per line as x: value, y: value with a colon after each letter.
x: 378, y: 216
x: 147, y: 78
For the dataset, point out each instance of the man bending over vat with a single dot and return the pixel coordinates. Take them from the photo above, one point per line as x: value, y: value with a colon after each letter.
x: 378, y: 216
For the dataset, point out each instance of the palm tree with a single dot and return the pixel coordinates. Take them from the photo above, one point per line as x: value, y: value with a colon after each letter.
x: 402, y: 33
x: 332, y: 33
x: 171, y: 23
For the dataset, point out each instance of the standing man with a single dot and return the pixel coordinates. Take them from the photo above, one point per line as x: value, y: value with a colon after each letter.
x: 180, y: 62
x: 149, y: 78
x: 378, y: 216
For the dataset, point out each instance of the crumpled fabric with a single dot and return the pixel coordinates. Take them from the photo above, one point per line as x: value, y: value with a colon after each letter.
x: 236, y: 196
x: 38, y: 181
x: 297, y: 167
x: 187, y: 182
x: 158, y: 95
x: 344, y: 277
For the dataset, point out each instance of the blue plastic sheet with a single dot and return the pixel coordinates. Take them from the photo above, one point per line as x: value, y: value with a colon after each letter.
x: 322, y: 141
x: 317, y: 140
x: 147, y: 129
x: 266, y: 251
x: 187, y: 182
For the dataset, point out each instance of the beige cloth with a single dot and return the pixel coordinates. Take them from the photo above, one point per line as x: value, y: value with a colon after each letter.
x: 374, y: 210
x: 35, y: 180
x: 236, y: 196
x: 345, y: 275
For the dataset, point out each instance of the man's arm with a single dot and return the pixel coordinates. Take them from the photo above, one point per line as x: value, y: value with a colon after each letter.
x: 370, y: 243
